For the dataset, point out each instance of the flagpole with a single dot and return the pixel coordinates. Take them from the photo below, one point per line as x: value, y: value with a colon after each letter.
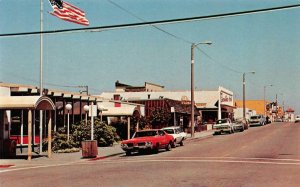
x: 41, y: 75
x: 41, y: 51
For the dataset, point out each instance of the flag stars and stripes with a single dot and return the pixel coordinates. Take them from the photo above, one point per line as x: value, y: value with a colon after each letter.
x: 68, y: 12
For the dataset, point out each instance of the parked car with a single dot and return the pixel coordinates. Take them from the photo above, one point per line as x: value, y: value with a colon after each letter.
x: 177, y: 133
x: 257, y: 120
x: 148, y: 140
x: 245, y: 122
x: 223, y: 125
x: 297, y: 118
x: 278, y: 120
x: 238, y: 126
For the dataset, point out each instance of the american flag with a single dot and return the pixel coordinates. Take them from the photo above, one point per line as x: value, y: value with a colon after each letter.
x: 68, y: 12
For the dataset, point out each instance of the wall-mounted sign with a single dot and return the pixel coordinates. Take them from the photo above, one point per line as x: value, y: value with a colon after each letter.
x: 226, y: 99
x: 201, y: 105
x: 185, y: 100
x: 172, y: 109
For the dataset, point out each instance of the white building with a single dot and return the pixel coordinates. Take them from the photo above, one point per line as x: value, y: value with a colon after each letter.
x: 214, y: 104
x: 238, y: 113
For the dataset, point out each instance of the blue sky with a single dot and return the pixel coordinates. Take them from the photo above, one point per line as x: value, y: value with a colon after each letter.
x: 267, y: 43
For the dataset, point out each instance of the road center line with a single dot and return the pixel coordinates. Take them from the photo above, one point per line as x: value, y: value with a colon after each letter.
x: 212, y: 161
x: 226, y: 158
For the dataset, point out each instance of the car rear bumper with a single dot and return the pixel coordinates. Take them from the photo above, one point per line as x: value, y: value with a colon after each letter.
x: 254, y: 124
x: 238, y: 128
x: 222, y: 129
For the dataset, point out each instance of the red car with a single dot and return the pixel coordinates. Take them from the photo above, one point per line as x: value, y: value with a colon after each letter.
x: 151, y: 140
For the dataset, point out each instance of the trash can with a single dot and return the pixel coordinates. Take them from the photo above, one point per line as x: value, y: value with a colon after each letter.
x: 10, y: 148
x: 89, y: 148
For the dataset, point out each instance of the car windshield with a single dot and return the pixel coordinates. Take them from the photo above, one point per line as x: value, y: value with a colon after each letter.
x: 220, y: 121
x: 254, y: 117
x: 169, y: 131
x: 144, y: 133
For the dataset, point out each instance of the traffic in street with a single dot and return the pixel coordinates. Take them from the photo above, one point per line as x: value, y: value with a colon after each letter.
x: 261, y: 156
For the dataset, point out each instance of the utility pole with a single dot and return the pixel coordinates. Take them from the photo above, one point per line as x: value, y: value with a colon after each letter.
x: 244, y: 93
x: 192, y: 90
x: 86, y: 89
x: 41, y: 76
x: 193, y: 86
x: 244, y: 100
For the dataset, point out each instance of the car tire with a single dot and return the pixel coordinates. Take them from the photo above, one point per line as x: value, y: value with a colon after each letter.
x: 156, y: 149
x: 169, y: 147
x: 174, y: 144
x: 181, y: 143
x: 128, y: 153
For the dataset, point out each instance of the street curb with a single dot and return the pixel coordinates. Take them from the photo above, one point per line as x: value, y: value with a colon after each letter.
x: 199, y: 138
x: 104, y: 157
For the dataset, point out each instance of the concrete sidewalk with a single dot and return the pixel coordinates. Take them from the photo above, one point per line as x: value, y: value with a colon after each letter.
x: 67, y: 158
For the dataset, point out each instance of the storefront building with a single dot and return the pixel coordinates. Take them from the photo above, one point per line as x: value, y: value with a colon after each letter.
x: 211, y: 105
x: 69, y: 108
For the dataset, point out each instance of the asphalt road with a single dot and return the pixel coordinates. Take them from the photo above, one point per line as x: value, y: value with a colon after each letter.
x: 261, y: 156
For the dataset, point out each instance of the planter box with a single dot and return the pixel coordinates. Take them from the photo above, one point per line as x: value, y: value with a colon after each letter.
x: 89, y: 148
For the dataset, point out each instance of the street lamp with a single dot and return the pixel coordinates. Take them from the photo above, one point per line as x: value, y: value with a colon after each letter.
x: 86, y: 109
x: 101, y: 109
x: 192, y: 84
x: 244, y: 93
x: 265, y: 98
x: 68, y: 107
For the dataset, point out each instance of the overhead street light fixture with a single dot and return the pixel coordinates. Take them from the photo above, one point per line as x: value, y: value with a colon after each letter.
x: 193, y: 86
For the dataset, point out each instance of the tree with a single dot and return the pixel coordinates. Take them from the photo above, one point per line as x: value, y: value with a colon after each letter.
x: 159, y: 117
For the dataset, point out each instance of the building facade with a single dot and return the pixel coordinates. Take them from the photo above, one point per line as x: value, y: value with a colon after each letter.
x: 211, y: 105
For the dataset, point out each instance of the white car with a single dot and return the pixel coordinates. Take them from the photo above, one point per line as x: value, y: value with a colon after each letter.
x: 177, y: 133
x: 257, y: 120
x: 297, y: 118
x: 223, y: 125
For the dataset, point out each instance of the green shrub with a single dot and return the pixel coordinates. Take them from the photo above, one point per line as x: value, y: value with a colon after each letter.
x: 60, y: 141
x: 103, y: 133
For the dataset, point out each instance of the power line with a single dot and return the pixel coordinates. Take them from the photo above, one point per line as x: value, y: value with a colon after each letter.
x: 161, y: 22
x: 141, y: 19
x: 213, y: 60
x: 170, y: 34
